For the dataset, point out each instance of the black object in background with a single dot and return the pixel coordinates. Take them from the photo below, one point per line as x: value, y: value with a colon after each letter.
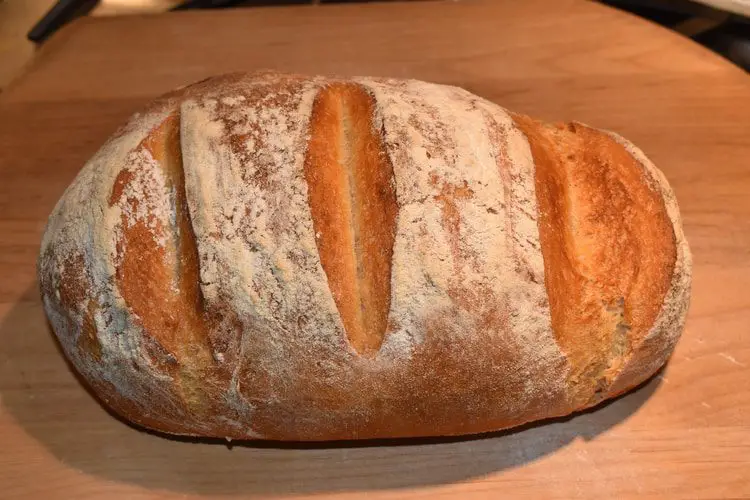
x: 62, y: 12
x: 65, y: 11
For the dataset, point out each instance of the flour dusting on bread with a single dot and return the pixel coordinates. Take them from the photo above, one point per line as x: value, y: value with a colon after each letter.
x: 221, y: 221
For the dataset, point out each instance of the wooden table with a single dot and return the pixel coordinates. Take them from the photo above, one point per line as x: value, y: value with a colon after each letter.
x: 684, y: 434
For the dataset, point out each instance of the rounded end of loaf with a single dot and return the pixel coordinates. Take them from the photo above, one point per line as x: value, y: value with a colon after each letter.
x: 118, y: 277
x: 659, y: 343
x: 617, y: 265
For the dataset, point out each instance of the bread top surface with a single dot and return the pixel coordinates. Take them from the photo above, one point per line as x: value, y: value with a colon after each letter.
x: 287, y: 257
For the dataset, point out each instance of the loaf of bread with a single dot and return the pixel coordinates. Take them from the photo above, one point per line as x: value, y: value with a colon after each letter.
x: 302, y: 258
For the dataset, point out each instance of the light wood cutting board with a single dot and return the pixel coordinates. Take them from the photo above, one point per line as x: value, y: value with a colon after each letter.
x: 684, y: 434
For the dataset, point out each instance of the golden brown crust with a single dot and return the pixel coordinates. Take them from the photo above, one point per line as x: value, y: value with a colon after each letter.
x: 281, y: 257
x: 608, y: 246
x: 353, y: 203
x: 159, y: 282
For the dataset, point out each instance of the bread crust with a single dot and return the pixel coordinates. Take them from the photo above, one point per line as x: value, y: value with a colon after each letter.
x: 303, y: 258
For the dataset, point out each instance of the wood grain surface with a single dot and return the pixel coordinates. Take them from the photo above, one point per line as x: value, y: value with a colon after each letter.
x: 685, y: 434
